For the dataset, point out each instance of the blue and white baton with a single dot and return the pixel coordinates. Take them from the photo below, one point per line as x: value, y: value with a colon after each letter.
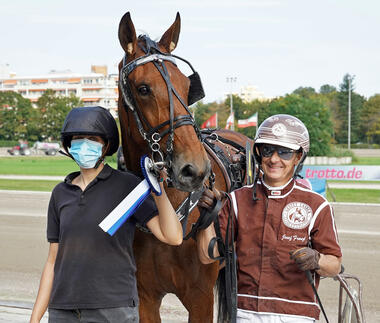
x: 128, y: 206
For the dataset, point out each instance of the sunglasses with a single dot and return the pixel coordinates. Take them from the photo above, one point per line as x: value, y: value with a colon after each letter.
x: 283, y: 153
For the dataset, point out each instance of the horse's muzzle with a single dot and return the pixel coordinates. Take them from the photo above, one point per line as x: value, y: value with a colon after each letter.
x: 189, y: 177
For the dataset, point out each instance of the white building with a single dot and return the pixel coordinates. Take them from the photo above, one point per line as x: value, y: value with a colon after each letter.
x: 95, y: 88
x: 249, y: 93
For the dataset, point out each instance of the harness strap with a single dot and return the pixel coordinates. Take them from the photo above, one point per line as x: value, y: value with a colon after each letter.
x: 204, y: 220
x: 230, y: 268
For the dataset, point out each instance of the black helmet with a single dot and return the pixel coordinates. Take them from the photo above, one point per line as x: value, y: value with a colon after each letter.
x: 91, y: 121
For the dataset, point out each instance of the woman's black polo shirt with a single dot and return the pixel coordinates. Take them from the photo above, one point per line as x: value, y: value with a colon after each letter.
x: 93, y: 269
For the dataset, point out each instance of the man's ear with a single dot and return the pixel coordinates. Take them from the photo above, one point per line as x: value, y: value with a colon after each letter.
x: 298, y: 157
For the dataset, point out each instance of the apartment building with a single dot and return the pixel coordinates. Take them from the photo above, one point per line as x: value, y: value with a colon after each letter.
x: 95, y: 88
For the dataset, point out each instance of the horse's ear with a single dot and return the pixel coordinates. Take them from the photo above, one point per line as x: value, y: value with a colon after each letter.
x: 169, y: 40
x: 127, y: 34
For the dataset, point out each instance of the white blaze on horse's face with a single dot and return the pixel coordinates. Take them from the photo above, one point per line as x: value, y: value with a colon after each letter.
x: 157, y: 89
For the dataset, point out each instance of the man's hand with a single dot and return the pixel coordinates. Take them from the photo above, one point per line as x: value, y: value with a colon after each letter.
x: 207, y: 200
x: 306, y: 258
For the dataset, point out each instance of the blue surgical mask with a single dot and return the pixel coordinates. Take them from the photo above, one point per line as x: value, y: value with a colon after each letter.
x: 85, y: 152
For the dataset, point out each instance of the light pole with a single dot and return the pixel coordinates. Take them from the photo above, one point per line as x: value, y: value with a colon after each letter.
x: 349, y: 112
x: 231, y: 80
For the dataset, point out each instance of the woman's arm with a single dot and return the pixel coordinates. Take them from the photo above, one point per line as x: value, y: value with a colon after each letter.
x: 46, y: 284
x: 166, y: 227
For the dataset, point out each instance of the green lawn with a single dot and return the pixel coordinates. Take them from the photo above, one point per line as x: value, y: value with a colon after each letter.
x: 27, y: 185
x: 354, y: 196
x: 28, y: 165
x: 367, y: 161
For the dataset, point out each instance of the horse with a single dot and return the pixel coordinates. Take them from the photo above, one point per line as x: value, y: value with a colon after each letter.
x: 154, y: 96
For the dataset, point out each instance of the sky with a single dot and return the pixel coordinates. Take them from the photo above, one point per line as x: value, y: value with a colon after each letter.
x: 276, y: 46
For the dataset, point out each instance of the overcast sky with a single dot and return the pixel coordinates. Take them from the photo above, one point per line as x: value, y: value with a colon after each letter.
x: 276, y: 46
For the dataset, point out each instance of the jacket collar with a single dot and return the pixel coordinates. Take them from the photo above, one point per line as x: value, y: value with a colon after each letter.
x: 278, y: 191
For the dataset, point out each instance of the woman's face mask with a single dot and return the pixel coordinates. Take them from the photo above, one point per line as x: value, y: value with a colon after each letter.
x: 85, y: 152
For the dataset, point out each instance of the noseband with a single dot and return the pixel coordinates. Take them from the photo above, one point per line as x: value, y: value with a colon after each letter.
x: 153, y: 135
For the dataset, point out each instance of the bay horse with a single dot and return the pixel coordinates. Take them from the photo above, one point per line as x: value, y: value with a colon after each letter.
x: 154, y: 117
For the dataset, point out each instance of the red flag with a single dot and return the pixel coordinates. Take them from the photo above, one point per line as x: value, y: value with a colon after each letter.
x: 211, y: 122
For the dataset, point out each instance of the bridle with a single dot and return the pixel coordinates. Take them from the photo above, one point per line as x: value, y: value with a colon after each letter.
x: 153, y: 135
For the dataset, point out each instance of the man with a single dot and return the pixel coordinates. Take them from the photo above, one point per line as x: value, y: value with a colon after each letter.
x: 281, y: 230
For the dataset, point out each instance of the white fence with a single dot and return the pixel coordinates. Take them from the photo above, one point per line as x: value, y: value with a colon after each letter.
x: 323, y: 160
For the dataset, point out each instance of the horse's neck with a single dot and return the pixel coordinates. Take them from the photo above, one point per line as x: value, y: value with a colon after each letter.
x: 132, y: 154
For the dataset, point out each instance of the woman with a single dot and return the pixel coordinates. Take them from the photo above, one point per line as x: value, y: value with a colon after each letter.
x: 89, y: 276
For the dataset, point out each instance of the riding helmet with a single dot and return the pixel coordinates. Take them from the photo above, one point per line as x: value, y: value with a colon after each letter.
x: 93, y: 120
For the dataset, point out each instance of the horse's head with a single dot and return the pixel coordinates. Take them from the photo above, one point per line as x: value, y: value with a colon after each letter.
x: 157, y: 94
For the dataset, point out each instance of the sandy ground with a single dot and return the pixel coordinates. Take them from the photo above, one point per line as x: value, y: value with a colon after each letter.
x: 23, y: 251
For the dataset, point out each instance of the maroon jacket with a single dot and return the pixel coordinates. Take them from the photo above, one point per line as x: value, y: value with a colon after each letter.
x: 283, y: 219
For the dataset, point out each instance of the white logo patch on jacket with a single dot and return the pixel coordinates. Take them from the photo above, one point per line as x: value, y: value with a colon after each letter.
x: 297, y: 215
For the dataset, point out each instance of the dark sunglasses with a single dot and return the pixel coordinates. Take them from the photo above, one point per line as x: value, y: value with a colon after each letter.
x: 284, y: 153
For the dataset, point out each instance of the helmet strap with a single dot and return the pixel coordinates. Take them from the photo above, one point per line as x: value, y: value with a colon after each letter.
x: 103, y: 156
x: 299, y: 166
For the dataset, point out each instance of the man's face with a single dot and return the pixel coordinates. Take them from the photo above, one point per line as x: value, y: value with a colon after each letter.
x: 278, y: 164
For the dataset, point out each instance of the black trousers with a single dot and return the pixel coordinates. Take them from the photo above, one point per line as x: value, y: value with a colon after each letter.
x: 101, y: 315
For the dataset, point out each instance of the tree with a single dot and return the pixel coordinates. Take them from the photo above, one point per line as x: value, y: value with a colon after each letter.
x: 15, y: 113
x: 326, y: 89
x: 370, y: 119
x: 52, y: 111
x: 313, y: 112
x: 331, y: 101
x: 203, y: 111
x: 305, y: 91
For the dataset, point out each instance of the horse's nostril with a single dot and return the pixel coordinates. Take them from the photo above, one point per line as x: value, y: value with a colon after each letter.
x: 188, y: 171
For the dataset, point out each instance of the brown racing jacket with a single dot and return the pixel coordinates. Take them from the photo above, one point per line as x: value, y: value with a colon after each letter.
x: 282, y: 219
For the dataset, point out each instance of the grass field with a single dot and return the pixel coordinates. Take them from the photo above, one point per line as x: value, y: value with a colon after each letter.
x: 367, y: 161
x: 48, y: 166
x: 27, y: 185
x: 354, y: 195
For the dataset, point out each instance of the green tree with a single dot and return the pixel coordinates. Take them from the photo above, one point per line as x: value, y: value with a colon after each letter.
x: 327, y: 88
x: 52, y: 111
x: 313, y: 112
x: 305, y: 91
x: 203, y: 111
x: 332, y: 102
x: 15, y: 113
x: 370, y: 119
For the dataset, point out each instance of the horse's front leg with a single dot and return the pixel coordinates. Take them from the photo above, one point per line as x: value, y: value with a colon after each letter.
x: 149, y: 308
x: 198, y: 297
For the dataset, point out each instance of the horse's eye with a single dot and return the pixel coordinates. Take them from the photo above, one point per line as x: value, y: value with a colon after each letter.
x: 144, y: 89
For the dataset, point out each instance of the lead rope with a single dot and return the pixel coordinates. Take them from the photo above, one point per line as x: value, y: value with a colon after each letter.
x: 230, y: 268
x: 310, y: 279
